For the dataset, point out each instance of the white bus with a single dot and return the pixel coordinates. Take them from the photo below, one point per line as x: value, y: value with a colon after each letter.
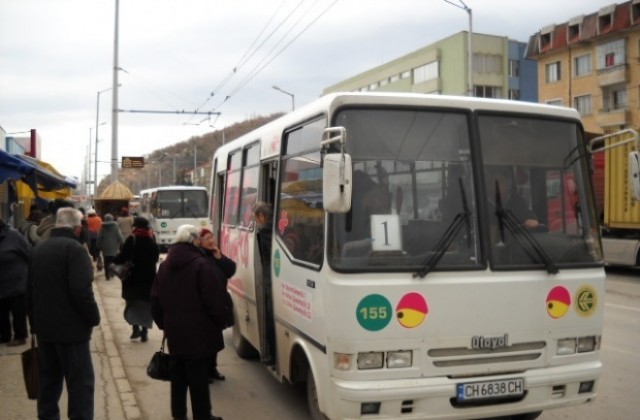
x: 418, y: 270
x: 169, y: 207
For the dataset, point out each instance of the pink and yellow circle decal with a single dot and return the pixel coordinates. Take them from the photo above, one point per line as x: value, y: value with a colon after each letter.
x: 412, y: 310
x: 558, y: 302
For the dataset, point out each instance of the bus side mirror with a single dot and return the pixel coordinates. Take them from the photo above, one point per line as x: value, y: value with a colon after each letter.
x: 634, y: 175
x: 336, y: 183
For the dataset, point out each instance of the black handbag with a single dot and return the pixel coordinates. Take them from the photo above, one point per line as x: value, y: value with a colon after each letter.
x: 161, y: 364
x: 122, y: 271
x: 30, y: 369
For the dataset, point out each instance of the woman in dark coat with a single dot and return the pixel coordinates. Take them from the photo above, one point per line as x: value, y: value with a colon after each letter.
x: 140, y: 248
x: 190, y: 308
x: 224, y: 268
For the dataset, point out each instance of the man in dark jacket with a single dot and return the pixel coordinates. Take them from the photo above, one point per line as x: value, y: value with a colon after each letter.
x: 63, y: 311
x: 189, y: 305
x: 14, y: 259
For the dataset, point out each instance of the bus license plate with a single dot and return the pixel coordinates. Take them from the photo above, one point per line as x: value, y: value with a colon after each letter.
x: 491, y: 389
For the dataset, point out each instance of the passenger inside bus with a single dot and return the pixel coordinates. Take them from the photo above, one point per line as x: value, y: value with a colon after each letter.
x: 504, y: 192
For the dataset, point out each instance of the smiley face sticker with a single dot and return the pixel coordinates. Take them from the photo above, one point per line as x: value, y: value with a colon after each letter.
x: 412, y: 310
x: 558, y: 302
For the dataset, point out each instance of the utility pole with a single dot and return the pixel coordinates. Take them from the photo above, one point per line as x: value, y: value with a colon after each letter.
x: 114, y: 112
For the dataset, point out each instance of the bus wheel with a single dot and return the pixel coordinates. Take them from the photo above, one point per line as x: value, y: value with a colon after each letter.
x: 312, y: 398
x: 243, y: 348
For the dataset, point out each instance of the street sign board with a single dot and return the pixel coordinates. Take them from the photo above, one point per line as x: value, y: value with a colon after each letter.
x: 132, y: 162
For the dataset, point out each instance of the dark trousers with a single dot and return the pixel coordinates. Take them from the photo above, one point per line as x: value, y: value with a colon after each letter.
x: 70, y: 362
x: 93, y: 248
x: 194, y: 376
x: 13, y: 310
x: 108, y: 259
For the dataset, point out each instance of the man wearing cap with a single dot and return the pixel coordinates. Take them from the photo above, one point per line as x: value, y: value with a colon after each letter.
x: 94, y: 222
x: 63, y: 312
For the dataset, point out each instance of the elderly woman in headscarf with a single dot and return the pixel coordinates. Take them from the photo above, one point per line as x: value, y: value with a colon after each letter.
x: 142, y: 250
x: 224, y: 268
x: 189, y: 306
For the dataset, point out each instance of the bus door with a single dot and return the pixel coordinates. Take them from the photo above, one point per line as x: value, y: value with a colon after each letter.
x: 264, y: 291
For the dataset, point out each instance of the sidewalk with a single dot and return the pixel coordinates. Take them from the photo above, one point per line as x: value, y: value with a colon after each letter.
x: 114, y: 398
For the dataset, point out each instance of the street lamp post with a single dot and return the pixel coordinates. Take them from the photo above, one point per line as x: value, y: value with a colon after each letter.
x: 293, y: 101
x: 87, y: 182
x: 95, y: 171
x: 467, y: 9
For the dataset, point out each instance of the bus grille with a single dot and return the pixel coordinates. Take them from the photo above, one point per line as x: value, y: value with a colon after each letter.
x: 460, y: 356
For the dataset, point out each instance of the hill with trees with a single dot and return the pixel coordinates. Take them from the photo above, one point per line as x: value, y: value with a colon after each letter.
x: 168, y: 166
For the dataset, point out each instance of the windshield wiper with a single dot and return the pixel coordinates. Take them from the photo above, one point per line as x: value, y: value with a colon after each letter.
x: 449, y: 235
x: 508, y: 220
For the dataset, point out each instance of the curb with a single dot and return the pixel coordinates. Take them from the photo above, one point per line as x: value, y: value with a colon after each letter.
x: 125, y: 393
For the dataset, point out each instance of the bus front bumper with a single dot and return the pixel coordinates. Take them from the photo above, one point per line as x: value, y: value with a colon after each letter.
x: 435, y: 398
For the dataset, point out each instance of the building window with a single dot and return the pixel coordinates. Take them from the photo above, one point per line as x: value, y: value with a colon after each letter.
x: 604, y: 23
x: 553, y: 72
x: 615, y: 98
x: 405, y: 74
x: 425, y: 73
x: 574, y: 32
x: 514, y: 68
x: 487, y: 91
x: 394, y: 78
x: 582, y: 65
x: 384, y: 82
x: 373, y: 86
x: 545, y: 41
x: 487, y: 63
x: 611, y: 54
x: 583, y: 104
x: 514, y: 94
x: 554, y: 102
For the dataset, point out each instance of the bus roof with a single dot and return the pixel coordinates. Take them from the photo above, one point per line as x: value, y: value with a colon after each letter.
x: 173, y: 188
x: 328, y: 104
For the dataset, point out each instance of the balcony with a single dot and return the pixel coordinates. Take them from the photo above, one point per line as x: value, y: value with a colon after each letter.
x: 613, y: 116
x: 613, y: 75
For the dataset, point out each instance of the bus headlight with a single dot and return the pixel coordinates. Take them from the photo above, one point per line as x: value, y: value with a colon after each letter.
x: 566, y: 346
x: 373, y: 360
x: 399, y: 359
x: 342, y: 361
x: 586, y: 344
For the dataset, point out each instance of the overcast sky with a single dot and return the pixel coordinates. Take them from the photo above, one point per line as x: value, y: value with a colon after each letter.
x: 55, y: 55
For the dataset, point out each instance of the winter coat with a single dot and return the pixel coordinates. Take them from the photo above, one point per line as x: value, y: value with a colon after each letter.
x: 28, y: 229
x: 125, y: 224
x: 224, y: 269
x: 45, y: 226
x: 95, y: 223
x: 61, y: 303
x: 140, y: 248
x: 110, y: 239
x: 187, y: 304
x: 14, y: 262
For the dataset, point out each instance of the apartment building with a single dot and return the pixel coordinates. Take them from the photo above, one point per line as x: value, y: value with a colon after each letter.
x: 592, y: 63
x: 499, y: 70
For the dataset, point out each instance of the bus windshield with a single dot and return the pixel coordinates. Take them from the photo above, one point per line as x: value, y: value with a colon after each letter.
x: 413, y: 202
x: 174, y: 204
x: 537, y: 193
x: 415, y: 206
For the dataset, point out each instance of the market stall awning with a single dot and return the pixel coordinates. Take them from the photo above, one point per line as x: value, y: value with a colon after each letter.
x: 40, y: 176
